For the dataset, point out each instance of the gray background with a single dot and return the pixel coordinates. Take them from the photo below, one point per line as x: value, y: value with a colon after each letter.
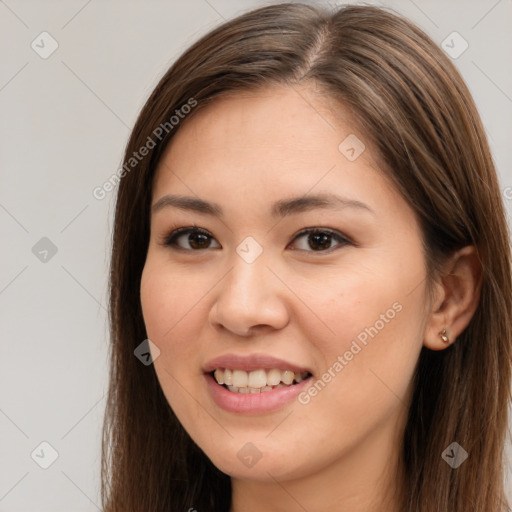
x: 64, y: 124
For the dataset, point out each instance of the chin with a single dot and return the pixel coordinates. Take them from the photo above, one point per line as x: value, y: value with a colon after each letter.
x: 258, y: 462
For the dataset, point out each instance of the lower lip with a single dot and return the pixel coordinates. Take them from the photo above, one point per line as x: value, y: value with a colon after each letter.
x: 256, y: 403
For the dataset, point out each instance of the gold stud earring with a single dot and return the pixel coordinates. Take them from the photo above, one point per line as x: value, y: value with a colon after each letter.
x: 444, y: 336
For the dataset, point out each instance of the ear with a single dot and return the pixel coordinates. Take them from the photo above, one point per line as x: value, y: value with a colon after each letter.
x: 457, y: 294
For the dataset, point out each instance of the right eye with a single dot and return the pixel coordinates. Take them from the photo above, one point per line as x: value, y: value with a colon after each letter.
x: 198, y: 238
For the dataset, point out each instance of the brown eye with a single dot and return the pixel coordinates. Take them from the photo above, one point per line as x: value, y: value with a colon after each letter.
x: 198, y: 239
x: 320, y: 239
x: 194, y: 238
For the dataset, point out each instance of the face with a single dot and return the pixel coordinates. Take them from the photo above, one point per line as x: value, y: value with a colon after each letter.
x: 333, y: 289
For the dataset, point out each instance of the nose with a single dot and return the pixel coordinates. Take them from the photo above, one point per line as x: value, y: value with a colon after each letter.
x: 249, y: 299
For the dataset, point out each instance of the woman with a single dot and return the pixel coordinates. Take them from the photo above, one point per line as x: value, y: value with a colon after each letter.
x: 310, y: 233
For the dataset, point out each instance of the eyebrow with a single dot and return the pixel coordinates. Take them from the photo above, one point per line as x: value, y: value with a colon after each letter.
x: 281, y: 208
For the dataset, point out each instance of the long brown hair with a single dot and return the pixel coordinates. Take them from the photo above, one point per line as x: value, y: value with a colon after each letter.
x: 413, y: 104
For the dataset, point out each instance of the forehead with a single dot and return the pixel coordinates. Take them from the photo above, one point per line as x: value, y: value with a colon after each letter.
x: 272, y: 143
x: 277, y: 128
x: 275, y: 117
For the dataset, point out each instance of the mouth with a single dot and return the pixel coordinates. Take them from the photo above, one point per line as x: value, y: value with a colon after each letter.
x: 257, y: 381
x: 254, y: 383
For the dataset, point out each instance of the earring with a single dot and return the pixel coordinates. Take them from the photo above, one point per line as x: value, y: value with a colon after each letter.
x: 444, y: 336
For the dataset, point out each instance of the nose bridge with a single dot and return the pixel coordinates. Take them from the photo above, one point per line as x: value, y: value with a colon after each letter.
x: 249, y: 275
x: 248, y: 281
x: 250, y: 294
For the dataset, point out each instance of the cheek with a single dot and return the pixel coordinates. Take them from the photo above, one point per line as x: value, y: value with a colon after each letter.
x: 167, y: 298
x: 170, y: 306
x: 366, y: 369
x: 373, y: 318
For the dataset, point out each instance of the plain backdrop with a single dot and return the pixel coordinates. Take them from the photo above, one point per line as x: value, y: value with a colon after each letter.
x: 64, y: 124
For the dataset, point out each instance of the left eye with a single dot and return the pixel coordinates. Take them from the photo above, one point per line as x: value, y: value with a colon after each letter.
x: 321, y: 238
x: 318, y: 239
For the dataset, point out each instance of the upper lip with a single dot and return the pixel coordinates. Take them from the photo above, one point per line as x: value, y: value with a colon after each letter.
x: 251, y: 362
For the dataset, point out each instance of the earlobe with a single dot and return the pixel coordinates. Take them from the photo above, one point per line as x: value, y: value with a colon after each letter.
x: 444, y: 336
x: 457, y: 300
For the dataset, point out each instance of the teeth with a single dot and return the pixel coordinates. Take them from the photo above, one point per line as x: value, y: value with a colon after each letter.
x: 274, y: 377
x: 287, y: 377
x: 219, y: 376
x: 240, y: 378
x: 256, y: 381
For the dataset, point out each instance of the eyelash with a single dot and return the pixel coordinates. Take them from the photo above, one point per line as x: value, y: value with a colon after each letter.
x: 169, y: 240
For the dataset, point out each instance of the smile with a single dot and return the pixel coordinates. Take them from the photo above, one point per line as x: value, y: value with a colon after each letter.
x: 257, y: 381
x: 254, y: 383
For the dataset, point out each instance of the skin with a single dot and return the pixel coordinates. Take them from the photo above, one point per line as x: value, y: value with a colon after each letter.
x: 340, y: 451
